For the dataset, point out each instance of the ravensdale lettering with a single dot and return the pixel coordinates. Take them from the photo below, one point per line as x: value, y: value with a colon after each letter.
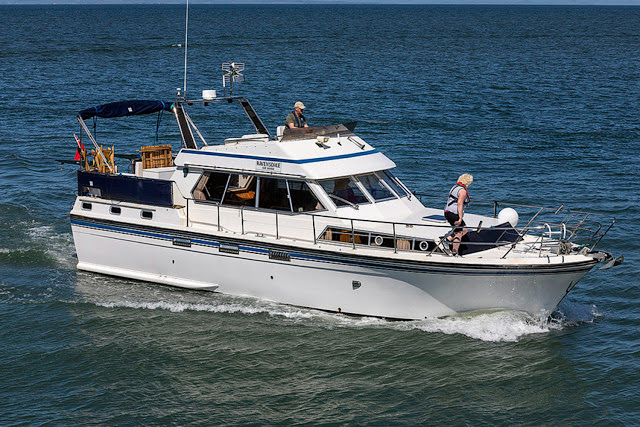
x: 268, y: 164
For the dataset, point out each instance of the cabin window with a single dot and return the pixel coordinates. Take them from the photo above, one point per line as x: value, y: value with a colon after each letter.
x: 273, y: 194
x: 115, y: 210
x: 393, y: 183
x: 146, y: 214
x: 302, y: 198
x: 211, y: 186
x: 375, y: 188
x: 89, y: 190
x: 86, y: 206
x: 241, y: 190
x: 343, y: 191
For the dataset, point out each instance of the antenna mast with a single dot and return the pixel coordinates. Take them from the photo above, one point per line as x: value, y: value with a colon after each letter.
x: 233, y: 75
x: 186, y: 32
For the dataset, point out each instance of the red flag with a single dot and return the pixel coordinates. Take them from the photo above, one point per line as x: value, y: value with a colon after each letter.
x: 80, y: 148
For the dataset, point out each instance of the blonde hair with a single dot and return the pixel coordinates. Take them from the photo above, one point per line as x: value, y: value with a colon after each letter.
x: 465, y: 179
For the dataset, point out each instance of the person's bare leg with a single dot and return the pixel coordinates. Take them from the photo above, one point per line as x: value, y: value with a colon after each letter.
x: 456, y: 239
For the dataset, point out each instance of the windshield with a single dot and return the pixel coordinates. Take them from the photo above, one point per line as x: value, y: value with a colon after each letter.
x: 372, y: 184
x: 343, y: 191
x: 393, y: 183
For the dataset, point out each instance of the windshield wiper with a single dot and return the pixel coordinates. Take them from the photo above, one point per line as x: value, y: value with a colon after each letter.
x: 333, y: 196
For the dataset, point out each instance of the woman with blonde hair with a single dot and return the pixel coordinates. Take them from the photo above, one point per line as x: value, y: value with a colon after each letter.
x: 454, y: 210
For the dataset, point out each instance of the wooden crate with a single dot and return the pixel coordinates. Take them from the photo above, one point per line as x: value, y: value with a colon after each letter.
x: 156, y: 156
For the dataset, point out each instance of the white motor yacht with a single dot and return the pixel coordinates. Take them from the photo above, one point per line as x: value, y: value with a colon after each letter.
x: 312, y: 217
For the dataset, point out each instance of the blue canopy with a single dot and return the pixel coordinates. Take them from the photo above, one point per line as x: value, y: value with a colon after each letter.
x: 125, y: 108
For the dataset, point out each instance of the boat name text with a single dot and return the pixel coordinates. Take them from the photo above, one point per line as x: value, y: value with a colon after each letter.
x: 267, y: 165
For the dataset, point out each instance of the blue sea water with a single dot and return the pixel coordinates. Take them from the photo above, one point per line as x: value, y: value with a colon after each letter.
x: 540, y: 104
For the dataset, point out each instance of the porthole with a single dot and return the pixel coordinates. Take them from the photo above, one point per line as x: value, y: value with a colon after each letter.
x: 146, y: 214
x: 115, y: 210
x: 86, y: 206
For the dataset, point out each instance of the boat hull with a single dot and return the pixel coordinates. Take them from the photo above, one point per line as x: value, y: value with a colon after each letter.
x: 340, y: 282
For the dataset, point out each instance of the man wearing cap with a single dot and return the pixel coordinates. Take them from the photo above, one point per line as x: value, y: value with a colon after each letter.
x: 296, y: 119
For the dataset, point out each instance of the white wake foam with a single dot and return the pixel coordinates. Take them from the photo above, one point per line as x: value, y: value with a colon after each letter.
x: 177, y: 307
x: 507, y: 326
x: 57, y: 245
x: 491, y: 326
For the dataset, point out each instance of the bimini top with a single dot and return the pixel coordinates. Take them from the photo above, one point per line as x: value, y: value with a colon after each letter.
x: 125, y: 108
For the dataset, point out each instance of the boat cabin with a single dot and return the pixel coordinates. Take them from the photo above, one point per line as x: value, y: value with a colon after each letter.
x: 316, y: 184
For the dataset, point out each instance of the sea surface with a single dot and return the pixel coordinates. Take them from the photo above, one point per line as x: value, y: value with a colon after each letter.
x: 541, y: 104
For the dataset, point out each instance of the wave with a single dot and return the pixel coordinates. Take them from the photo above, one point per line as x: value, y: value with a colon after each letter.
x: 30, y: 244
x: 570, y: 313
x: 26, y: 258
x: 489, y: 326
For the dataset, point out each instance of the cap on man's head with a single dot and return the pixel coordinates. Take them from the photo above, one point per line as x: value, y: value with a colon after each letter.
x: 299, y: 105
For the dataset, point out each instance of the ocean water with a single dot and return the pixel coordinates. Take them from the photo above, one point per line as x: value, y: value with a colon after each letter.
x: 540, y: 104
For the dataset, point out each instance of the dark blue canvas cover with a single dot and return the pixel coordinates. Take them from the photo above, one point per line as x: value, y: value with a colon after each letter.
x: 148, y: 191
x: 125, y: 108
x: 488, y: 238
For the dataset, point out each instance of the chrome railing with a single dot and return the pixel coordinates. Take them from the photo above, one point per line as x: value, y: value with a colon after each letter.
x: 548, y: 226
x: 585, y: 229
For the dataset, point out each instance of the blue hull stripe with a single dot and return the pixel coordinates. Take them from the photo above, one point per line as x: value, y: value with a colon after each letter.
x: 277, y: 159
x: 377, y: 264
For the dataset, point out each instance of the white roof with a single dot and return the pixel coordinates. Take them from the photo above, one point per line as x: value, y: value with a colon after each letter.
x: 309, y: 158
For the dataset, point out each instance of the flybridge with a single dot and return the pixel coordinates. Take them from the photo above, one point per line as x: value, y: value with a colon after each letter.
x: 191, y: 136
x: 326, y: 148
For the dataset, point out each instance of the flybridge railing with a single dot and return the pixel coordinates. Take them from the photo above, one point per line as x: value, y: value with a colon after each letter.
x: 585, y: 229
x: 553, y: 233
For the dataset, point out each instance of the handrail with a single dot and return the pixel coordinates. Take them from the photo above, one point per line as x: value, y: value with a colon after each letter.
x: 511, y: 204
x: 313, y: 223
x: 395, y: 239
x: 242, y: 218
x: 533, y: 225
x: 353, y: 235
x: 251, y: 208
x: 574, y: 221
x: 603, y: 234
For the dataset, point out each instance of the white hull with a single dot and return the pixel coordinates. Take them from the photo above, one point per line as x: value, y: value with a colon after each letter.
x: 319, y: 279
